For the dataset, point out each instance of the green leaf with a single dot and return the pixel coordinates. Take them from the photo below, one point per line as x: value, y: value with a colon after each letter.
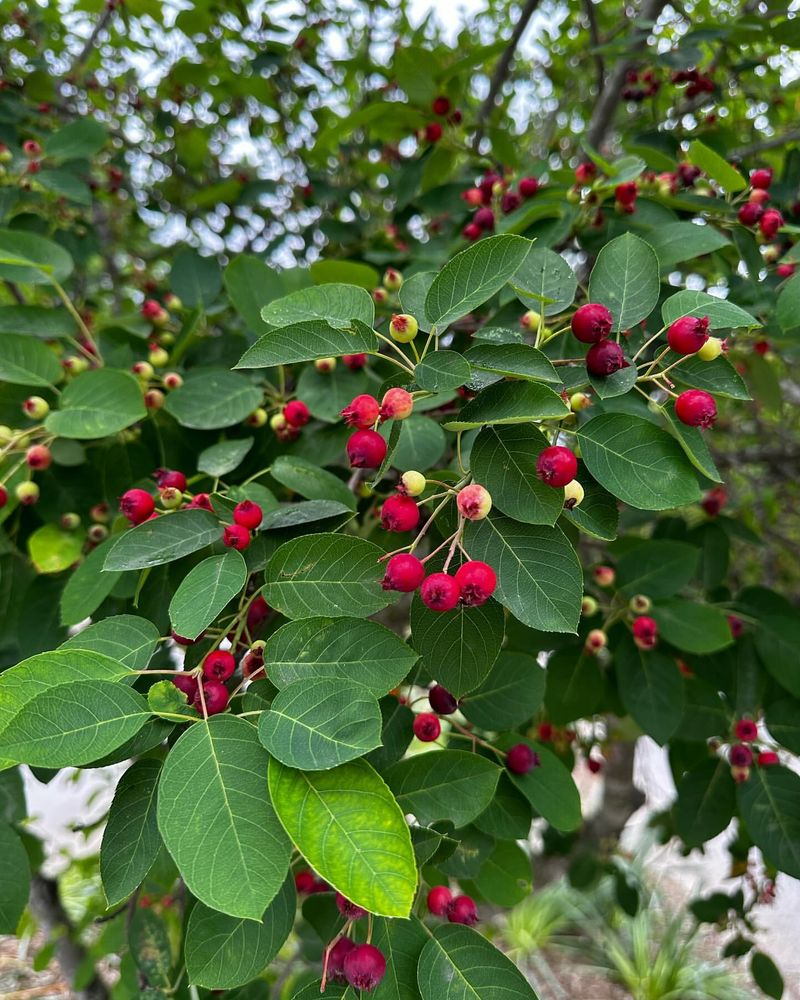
x: 127, y: 639
x: 420, y: 444
x: 539, y: 578
x: 350, y: 829
x: 87, y: 587
x: 598, y: 514
x: 220, y: 459
x: 78, y: 140
x: 223, y: 952
x: 150, y: 949
x: 288, y: 515
x: 510, y: 403
x: 131, y: 840
x: 776, y: 640
x: 718, y: 377
x: 549, y: 788
x: 657, y: 568
x: 166, y: 701
x: 251, y: 285
x: 788, y: 304
x: 769, y: 804
x: 24, y: 361
x: 509, y: 814
x: 65, y: 184
x: 442, y: 370
x: 163, y: 540
x: 413, y: 294
x: 13, y: 808
x: 310, y: 481
x: 514, y: 360
x: 457, y: 963
x: 706, y: 802
x: 625, y: 279
x: 680, y: 241
x: 97, y: 404
x: 722, y: 314
x: 73, y: 724
x: 766, y: 975
x: 217, y: 821
x: 338, y: 649
x: 333, y: 303
x: 451, y: 785
x: 473, y: 276
x: 205, y: 591
x: 350, y: 271
x: 306, y: 342
x: 575, y: 686
x: 783, y: 721
x: 15, y: 878
x: 717, y: 168
x: 692, y: 627
x: 545, y: 282
x: 458, y: 648
x: 651, y: 688
x: 317, y: 724
x: 694, y: 446
x: 194, y: 279
x: 32, y: 260
x: 506, y: 877
x: 53, y: 550
x: 616, y: 384
x: 637, y: 462
x: 37, y: 321
x: 401, y: 942
x: 211, y: 400
x: 326, y: 574
x: 510, y: 694
x: 503, y: 459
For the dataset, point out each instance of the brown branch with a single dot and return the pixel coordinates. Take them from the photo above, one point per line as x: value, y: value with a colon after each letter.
x: 594, y: 35
x: 773, y: 142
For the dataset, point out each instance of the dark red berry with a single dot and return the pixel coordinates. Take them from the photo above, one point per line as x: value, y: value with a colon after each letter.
x: 336, y: 957
x: 427, y: 727
x: 741, y: 755
x: 219, y: 665
x: 248, y: 514
x: 187, y: 683
x: 594, y: 764
x: 736, y: 625
x: 347, y: 909
x: 688, y: 334
x: 202, y: 501
x: 750, y: 213
x: 433, y: 132
x: 441, y: 106
x: 761, y: 178
x: 645, y: 632
x: 592, y: 323
x: 476, y: 581
x: 605, y: 358
x: 257, y: 614
x: 361, y: 412
x: 136, y: 505
x: 3, y: 496
x: 404, y: 573
x: 296, y: 413
x: 235, y: 536
x: 696, y: 408
x: 170, y: 477
x: 746, y: 730
x: 441, y: 701
x: 439, y: 900
x: 471, y: 232
x: 556, y: 466
x: 521, y: 759
x: 399, y: 513
x: 463, y: 911
x: 366, y: 450
x: 770, y: 222
x: 484, y: 219
x: 355, y: 362
x: 304, y: 882
x: 440, y: 592
x: 545, y: 731
x: 364, y: 966
x: 528, y: 186
x: 216, y: 698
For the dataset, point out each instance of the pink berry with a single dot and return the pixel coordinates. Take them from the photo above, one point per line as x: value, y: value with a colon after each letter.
x: 688, y: 334
x: 362, y: 412
x: 556, y: 466
x: 770, y: 222
x: 216, y: 698
x: 297, y: 413
x: 366, y: 450
x: 364, y: 966
x: 218, y: 665
x: 484, y: 219
x: 427, y: 727
x: 471, y: 232
x: 235, y: 536
x: 337, y: 955
x: 439, y: 900
x: 474, y: 502
x: 741, y: 755
x: 477, y: 581
x: 528, y: 186
x: 767, y: 758
x: 761, y: 178
x: 521, y: 759
x: 463, y: 911
x: 645, y: 632
x: 399, y: 513
x: 347, y: 909
x: 170, y: 477
x: 186, y: 683
x: 441, y: 701
x: 785, y: 270
x: 137, y: 505
x: 38, y: 457
x: 151, y: 309
x: 404, y: 572
x: 355, y: 362
x: 248, y: 514
x: 750, y: 213
x: 746, y: 730
x: 440, y: 592
x: 696, y: 408
x: 397, y: 404
x: 605, y: 358
x: 202, y: 501
x: 592, y: 323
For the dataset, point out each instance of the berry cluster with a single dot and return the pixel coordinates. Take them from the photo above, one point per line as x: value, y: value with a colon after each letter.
x: 366, y: 448
x: 458, y: 909
x: 492, y: 194
x: 743, y: 755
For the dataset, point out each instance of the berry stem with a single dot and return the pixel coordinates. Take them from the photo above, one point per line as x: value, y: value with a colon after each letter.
x: 456, y: 540
x: 428, y: 524
x: 647, y: 343
x: 94, y: 354
x: 390, y: 343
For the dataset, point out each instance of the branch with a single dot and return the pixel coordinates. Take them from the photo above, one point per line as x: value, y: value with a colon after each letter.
x: 100, y: 26
x: 594, y: 35
x: 773, y: 142
x: 611, y: 94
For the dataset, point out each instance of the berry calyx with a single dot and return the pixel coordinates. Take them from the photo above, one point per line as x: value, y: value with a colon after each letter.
x: 595, y: 641
x: 712, y: 349
x: 38, y: 457
x: 441, y: 701
x: 746, y: 730
x: 235, y: 536
x: 403, y: 328
x: 361, y: 412
x: 215, y: 695
x: 696, y: 408
x: 573, y: 494
x: 477, y: 582
x: 218, y: 665
x: 248, y: 514
x: 639, y: 604
x: 170, y: 477
x: 186, y: 683
x: 347, y: 909
x: 297, y: 413
x: 136, y: 505
x: 521, y: 759
x: 645, y: 632
x: 740, y: 755
x: 404, y: 572
x: 411, y: 484
x: 556, y: 466
x: 364, y: 966
x: 592, y: 323
x: 688, y: 334
x: 397, y: 404
x: 474, y: 502
x: 439, y: 900
x: 427, y: 727
x: 440, y: 592
x: 605, y: 358
x: 399, y: 513
x: 463, y: 911
x: 366, y: 450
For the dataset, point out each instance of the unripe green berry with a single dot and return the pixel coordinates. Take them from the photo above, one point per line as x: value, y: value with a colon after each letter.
x: 596, y: 640
x: 589, y: 606
x: 278, y: 422
x: 6, y: 434
x: 27, y: 492
x: 531, y: 320
x: 74, y: 365
x: 711, y: 349
x: 412, y: 484
x: 403, y: 328
x: 35, y: 407
x: 158, y: 357
x: 170, y: 497
x: 172, y: 380
x: 258, y: 417
x: 392, y: 280
x: 70, y: 522
x: 640, y: 604
x: 579, y: 401
x: 143, y: 370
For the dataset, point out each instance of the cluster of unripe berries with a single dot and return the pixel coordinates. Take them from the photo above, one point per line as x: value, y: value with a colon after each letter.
x: 494, y: 192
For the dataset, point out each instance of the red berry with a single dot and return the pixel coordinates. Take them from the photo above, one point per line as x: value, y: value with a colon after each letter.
x: 770, y: 222
x: 592, y: 323
x: 471, y: 232
x: 355, y: 362
x: 31, y: 147
x: 484, y: 219
x: 404, y: 573
x: 366, y: 450
x: 696, y: 408
x: 427, y: 727
x: 521, y: 759
x: 181, y: 640
x: 397, y: 404
x: 136, y: 505
x: 463, y: 911
x: 362, y: 411
x: 257, y: 614
x: 3, y: 497
x: 750, y: 213
x: 441, y: 701
x: 186, y: 683
x: 235, y: 536
x: 688, y: 334
x: 38, y: 457
x: 645, y: 632
x: 477, y: 581
x: 201, y: 501
x: 399, y: 513
x: 216, y: 698
x: 170, y: 477
x: 364, y: 966
x: 544, y: 731
x: 337, y: 955
x: 441, y: 106
x: 713, y: 502
x: 736, y: 625
x: 440, y: 592
x: 304, y: 882
x: 433, y: 132
x: 741, y: 755
x: 625, y: 194
x: 761, y: 178
x: 595, y: 765
x: 767, y: 758
x: 746, y: 730
x: 297, y: 413
x: 528, y: 186
x: 248, y: 514
x: 556, y: 466
x: 348, y: 909
x: 474, y: 502
x: 218, y: 665
x: 605, y: 358
x: 151, y: 309
x: 785, y: 270
x: 439, y: 900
